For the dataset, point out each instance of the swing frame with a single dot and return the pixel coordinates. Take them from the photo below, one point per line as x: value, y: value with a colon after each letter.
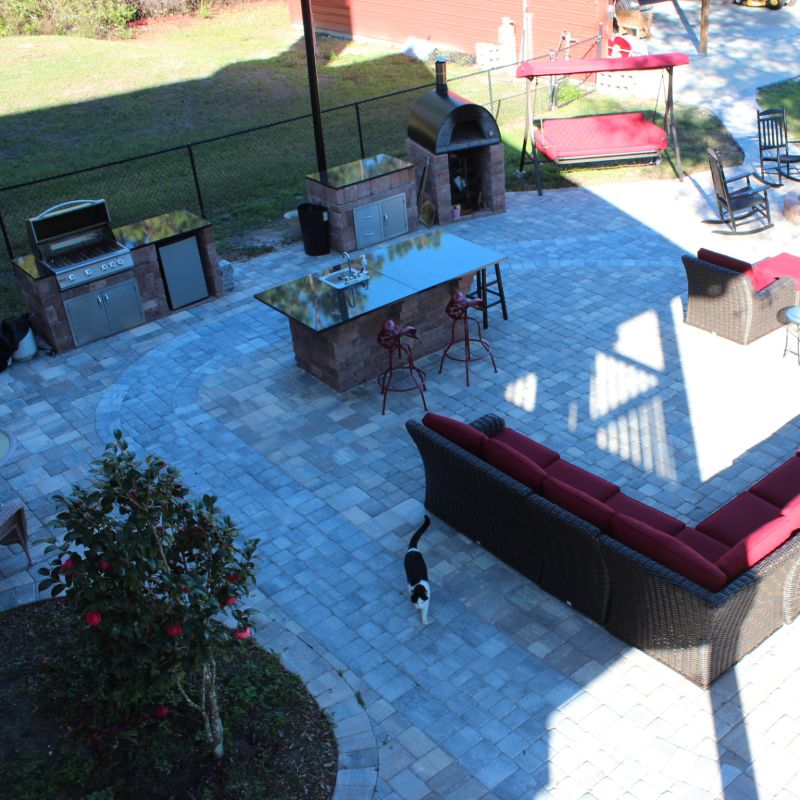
x: 536, y: 69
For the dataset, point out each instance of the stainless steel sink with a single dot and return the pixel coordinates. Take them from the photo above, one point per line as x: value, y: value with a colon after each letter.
x: 343, y: 278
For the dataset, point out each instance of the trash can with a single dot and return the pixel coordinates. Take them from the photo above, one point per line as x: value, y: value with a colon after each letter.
x: 313, y: 220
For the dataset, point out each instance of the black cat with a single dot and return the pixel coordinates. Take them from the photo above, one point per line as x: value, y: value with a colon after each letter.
x: 417, y: 573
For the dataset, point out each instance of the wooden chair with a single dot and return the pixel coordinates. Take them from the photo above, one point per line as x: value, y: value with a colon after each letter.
x: 743, y: 207
x: 773, y: 148
x: 13, y: 527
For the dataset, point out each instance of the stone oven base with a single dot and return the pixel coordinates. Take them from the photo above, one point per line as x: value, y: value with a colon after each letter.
x: 349, y: 354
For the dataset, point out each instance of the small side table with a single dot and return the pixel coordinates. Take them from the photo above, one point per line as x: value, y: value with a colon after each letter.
x: 793, y: 331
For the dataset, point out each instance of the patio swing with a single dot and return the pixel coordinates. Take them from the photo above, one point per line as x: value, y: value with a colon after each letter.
x: 619, y: 136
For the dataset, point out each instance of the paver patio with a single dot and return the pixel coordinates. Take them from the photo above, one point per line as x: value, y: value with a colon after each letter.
x: 508, y: 693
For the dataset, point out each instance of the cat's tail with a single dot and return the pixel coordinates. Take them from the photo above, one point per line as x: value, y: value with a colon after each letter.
x: 422, y: 528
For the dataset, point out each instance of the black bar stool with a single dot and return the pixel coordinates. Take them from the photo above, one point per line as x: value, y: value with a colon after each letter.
x: 458, y: 310
x: 484, y: 288
x: 400, y: 358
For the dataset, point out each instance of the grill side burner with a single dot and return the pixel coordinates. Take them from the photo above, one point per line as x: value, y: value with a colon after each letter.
x: 74, y: 240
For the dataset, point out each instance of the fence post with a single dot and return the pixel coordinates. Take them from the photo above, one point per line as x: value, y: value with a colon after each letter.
x: 358, y: 126
x: 491, y: 96
x: 5, y: 237
x: 196, y: 181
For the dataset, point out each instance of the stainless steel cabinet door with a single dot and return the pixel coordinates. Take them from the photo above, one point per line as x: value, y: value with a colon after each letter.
x: 182, y: 268
x: 87, y: 317
x: 123, y: 306
x: 368, y: 225
x: 393, y: 216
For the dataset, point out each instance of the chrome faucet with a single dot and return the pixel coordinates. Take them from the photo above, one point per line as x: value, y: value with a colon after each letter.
x: 349, y: 263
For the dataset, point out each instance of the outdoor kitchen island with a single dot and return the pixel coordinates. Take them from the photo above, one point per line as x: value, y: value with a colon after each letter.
x: 411, y: 280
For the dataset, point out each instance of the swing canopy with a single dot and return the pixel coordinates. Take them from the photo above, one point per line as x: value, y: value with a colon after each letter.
x: 542, y: 68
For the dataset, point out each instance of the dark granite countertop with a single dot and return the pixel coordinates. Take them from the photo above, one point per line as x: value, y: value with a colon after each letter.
x: 359, y: 171
x: 139, y: 234
x: 396, y: 271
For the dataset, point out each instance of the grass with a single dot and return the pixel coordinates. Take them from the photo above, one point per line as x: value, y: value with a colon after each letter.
x: 279, y: 745
x: 187, y: 79
x: 783, y: 95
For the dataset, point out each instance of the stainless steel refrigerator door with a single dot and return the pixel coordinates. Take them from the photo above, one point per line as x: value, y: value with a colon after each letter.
x: 182, y: 268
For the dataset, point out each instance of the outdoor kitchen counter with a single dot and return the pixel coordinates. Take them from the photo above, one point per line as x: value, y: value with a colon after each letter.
x: 154, y: 230
x: 334, y: 330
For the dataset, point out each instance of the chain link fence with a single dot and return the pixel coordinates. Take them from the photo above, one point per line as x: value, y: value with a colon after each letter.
x: 246, y: 180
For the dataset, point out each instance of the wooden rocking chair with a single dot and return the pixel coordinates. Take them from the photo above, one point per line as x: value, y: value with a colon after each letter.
x: 13, y: 527
x: 744, y: 208
x: 773, y: 148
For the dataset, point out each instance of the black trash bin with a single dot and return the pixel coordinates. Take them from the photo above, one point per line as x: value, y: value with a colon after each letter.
x: 313, y: 221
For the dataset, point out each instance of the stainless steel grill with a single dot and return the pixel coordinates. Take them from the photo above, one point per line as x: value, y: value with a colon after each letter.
x: 76, y: 242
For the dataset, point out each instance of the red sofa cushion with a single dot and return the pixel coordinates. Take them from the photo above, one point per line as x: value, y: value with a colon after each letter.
x: 770, y: 269
x: 707, y: 546
x: 580, y: 479
x: 513, y: 463
x: 756, y: 545
x: 669, y: 551
x: 757, y: 279
x: 459, y: 433
x: 742, y: 516
x: 622, y: 504
x: 578, y: 502
x: 542, y: 455
x: 782, y: 486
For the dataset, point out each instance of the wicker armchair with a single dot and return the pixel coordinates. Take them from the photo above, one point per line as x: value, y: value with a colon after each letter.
x: 13, y: 527
x: 724, y: 302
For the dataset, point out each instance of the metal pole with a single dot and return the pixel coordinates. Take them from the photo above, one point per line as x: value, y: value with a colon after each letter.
x: 5, y: 237
x: 313, y: 88
x: 360, y: 132
x: 196, y: 181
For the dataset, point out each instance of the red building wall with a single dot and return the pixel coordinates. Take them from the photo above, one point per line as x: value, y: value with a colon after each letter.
x: 455, y: 24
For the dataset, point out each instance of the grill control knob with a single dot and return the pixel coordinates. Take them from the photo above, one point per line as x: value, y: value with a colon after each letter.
x: 88, y: 271
x: 71, y: 276
x: 105, y: 267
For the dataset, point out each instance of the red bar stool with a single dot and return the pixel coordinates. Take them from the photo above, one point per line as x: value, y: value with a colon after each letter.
x: 458, y: 310
x: 390, y: 337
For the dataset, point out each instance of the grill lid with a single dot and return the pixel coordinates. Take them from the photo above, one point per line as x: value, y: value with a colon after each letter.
x: 444, y: 122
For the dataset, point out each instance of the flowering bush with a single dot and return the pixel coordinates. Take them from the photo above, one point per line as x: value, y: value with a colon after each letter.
x: 148, y: 569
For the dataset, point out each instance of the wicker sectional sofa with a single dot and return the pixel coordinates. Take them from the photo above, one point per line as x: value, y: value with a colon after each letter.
x: 696, y: 598
x: 738, y: 300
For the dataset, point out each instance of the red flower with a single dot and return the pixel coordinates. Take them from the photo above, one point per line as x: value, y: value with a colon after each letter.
x: 162, y: 712
x: 243, y: 633
x: 66, y: 565
x: 185, y: 590
x: 229, y: 601
x: 93, y: 618
x: 234, y: 578
x: 105, y: 566
x: 174, y: 630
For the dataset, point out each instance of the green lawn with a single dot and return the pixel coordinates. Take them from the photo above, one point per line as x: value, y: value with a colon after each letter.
x: 784, y: 95
x: 73, y: 103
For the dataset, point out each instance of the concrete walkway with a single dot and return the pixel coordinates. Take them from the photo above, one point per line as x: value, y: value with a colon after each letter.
x: 508, y: 694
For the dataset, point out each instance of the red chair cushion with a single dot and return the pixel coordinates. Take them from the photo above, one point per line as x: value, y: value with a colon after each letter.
x: 782, y: 486
x: 578, y: 502
x: 669, y: 551
x: 770, y: 269
x: 756, y: 545
x: 707, y: 546
x: 542, y: 455
x: 742, y: 516
x: 471, y: 439
x: 622, y: 504
x: 513, y: 463
x: 580, y: 479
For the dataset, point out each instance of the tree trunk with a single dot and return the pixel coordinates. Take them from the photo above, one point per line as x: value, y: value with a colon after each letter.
x: 214, y: 728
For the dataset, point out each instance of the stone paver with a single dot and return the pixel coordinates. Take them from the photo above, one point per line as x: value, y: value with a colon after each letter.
x: 508, y: 693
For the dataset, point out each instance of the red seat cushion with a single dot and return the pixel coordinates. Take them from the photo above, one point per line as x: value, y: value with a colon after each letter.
x: 770, y: 269
x: 669, y: 551
x: 707, y: 546
x: 756, y: 545
x: 580, y: 479
x: 622, y: 504
x: 599, y: 135
x: 542, y: 455
x: 782, y: 486
x: 513, y: 463
x: 578, y: 502
x: 740, y: 517
x: 459, y: 433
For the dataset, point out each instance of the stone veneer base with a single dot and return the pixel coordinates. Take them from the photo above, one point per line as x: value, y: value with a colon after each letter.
x: 347, y: 355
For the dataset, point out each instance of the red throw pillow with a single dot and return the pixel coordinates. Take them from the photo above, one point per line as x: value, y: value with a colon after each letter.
x: 583, y: 505
x: 513, y: 463
x: 471, y: 439
x: 669, y: 551
x: 721, y: 260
